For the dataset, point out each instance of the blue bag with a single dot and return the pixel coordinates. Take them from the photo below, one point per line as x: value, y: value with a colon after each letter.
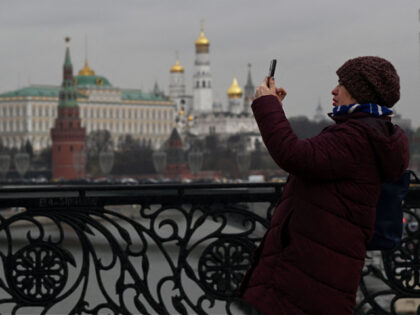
x: 389, y: 214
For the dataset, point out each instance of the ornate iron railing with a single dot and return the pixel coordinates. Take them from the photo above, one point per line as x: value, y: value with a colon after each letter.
x: 157, y: 249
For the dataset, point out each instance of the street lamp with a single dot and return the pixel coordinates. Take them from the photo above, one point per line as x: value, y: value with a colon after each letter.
x: 243, y: 158
x: 195, y: 161
x: 4, y: 165
x: 159, y: 161
x: 79, y: 161
x: 22, y: 163
x: 106, y: 161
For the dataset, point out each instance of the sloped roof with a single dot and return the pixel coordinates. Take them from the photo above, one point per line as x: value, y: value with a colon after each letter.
x: 34, y: 90
x: 53, y: 91
x: 141, y: 96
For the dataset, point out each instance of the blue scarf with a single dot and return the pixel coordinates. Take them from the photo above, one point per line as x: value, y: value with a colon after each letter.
x: 371, y: 108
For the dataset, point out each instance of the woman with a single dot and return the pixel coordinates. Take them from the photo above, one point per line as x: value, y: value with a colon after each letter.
x: 313, y: 253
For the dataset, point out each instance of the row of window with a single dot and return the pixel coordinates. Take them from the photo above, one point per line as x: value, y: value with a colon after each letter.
x: 134, y: 113
x: 91, y: 112
x: 19, y: 111
x: 46, y: 125
x: 22, y: 126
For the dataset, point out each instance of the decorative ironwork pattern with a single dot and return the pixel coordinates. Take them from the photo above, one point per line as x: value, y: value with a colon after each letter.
x: 223, y: 265
x: 37, y: 272
x: 141, y: 258
x: 160, y: 250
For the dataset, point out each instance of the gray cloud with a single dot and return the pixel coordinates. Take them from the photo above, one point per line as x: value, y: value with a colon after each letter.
x: 133, y: 42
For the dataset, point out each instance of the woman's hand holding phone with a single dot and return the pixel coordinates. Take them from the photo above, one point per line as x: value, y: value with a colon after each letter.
x: 268, y: 87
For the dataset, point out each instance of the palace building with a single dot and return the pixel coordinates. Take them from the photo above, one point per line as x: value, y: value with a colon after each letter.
x: 28, y: 114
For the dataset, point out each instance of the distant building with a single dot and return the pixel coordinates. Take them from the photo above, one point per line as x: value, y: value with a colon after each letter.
x: 68, y: 136
x: 249, y: 92
x: 234, y: 93
x: 404, y: 123
x: 28, y: 114
x: 199, y: 114
x: 177, y: 90
x: 236, y: 120
x: 202, y: 86
x: 415, y: 152
x: 176, y: 166
x: 319, y: 113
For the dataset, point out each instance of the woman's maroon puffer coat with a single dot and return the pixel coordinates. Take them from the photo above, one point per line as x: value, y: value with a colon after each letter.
x: 313, y: 253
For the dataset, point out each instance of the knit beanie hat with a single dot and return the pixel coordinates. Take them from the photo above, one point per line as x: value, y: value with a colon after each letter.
x: 370, y: 80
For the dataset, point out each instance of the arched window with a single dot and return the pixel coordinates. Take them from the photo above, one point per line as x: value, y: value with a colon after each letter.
x: 204, y: 83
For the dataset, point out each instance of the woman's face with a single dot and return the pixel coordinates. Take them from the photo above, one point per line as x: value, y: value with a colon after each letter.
x: 342, y: 96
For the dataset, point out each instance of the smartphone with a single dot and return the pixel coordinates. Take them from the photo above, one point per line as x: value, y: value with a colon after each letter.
x: 272, y: 70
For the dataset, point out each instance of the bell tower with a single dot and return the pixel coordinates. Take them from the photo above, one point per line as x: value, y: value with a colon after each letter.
x: 68, y: 137
x: 202, y: 81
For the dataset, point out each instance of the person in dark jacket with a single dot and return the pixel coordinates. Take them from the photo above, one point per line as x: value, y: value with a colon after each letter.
x: 310, y: 259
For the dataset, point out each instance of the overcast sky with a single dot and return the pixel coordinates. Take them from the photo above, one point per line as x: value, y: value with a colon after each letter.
x: 133, y: 43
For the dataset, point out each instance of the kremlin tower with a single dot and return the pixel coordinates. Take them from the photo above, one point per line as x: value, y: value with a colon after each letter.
x: 234, y: 95
x: 202, y: 82
x: 249, y: 92
x: 68, y: 137
x: 176, y: 166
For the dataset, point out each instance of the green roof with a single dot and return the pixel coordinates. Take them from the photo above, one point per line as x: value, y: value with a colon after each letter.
x: 141, y: 96
x: 92, y: 80
x: 53, y: 91
x: 50, y: 91
x: 47, y: 91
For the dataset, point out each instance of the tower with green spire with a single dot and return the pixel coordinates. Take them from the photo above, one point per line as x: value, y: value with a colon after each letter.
x: 249, y: 90
x: 68, y: 95
x: 68, y: 136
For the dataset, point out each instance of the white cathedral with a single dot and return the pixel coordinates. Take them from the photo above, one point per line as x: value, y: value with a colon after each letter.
x: 203, y: 115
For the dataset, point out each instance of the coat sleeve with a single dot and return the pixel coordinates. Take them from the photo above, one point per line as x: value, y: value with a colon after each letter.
x: 333, y: 154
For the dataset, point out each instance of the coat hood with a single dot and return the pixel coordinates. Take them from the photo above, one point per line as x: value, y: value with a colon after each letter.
x: 389, y: 143
x: 391, y: 148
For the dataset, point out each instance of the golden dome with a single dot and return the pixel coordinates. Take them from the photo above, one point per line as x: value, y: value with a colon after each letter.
x: 202, y: 40
x: 177, y: 68
x: 235, y: 90
x: 86, y: 70
x: 190, y: 118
